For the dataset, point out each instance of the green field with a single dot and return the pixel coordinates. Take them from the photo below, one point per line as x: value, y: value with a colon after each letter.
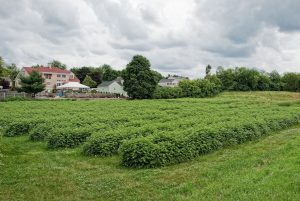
x: 62, y: 164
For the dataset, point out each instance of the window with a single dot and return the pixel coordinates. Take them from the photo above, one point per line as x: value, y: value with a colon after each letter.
x: 71, y: 76
x: 58, y: 75
x: 48, y: 83
x: 48, y: 76
x: 58, y: 84
x: 63, y: 76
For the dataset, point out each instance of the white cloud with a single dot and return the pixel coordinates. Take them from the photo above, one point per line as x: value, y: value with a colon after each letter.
x: 177, y: 36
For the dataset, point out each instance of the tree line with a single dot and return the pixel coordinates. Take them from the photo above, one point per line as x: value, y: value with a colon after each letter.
x: 141, y: 82
x: 231, y: 79
x: 245, y: 79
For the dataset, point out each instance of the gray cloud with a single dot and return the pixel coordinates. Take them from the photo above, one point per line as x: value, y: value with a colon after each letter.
x: 177, y: 36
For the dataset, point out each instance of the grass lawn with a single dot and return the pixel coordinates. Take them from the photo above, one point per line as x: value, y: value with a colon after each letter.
x: 267, y: 169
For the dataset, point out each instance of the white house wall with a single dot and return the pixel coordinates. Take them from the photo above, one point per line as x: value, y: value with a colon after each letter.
x: 113, y: 88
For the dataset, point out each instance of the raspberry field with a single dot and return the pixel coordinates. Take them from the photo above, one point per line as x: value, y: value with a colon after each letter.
x: 235, y: 146
x: 151, y: 133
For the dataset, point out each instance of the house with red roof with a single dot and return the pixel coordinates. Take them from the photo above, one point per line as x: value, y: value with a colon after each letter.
x: 54, y: 77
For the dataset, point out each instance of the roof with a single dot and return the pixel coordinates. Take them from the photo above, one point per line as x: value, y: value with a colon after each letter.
x: 46, y: 70
x: 166, y: 80
x: 73, y: 85
x: 74, y: 80
x: 177, y: 77
x: 106, y: 83
x: 119, y: 80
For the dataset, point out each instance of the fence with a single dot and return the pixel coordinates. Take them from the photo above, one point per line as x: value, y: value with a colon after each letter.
x: 7, y: 94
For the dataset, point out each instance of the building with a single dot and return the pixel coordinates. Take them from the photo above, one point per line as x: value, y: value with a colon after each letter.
x: 171, y: 81
x: 112, y: 87
x: 54, y: 77
x: 8, y: 80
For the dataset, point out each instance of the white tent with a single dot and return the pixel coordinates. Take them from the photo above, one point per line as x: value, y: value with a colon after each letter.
x: 73, y: 86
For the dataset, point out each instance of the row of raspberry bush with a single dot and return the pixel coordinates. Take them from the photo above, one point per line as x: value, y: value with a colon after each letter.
x: 166, y: 149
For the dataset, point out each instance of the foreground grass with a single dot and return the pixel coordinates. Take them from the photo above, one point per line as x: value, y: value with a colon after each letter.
x: 262, y: 170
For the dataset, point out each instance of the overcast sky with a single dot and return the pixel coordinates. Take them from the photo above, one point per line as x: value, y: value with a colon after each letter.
x: 177, y: 36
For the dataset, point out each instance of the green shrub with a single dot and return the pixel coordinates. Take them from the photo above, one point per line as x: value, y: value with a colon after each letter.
x: 108, y: 144
x: 40, y: 132
x: 18, y: 128
x: 167, y: 92
x: 140, y: 153
x: 200, y: 88
x: 68, y: 137
x: 166, y: 149
x: 105, y: 145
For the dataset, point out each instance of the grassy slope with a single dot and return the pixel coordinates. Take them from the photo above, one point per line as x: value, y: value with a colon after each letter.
x: 263, y: 170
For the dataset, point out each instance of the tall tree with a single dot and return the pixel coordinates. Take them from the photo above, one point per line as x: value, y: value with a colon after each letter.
x: 58, y: 64
x: 208, y: 70
x: 275, y: 81
x: 89, y: 82
x: 157, y: 76
x: 96, y: 74
x: 139, y: 81
x: 81, y: 73
x: 2, y: 65
x: 33, y: 84
x: 109, y: 73
x: 291, y: 81
x: 227, y: 78
x: 13, y: 72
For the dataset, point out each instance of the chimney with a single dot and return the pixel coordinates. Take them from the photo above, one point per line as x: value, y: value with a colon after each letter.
x: 49, y: 65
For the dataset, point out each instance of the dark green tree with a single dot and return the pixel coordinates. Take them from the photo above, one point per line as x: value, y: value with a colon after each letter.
x: 264, y: 82
x: 96, y: 74
x: 81, y: 73
x: 139, y: 81
x: 227, y: 78
x: 89, y: 82
x: 157, y: 76
x: 58, y: 64
x: 33, y: 84
x: 275, y: 81
x: 208, y: 70
x: 291, y: 81
x: 109, y: 73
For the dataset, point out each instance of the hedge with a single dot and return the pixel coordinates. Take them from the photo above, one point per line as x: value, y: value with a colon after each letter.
x: 167, y: 92
x: 161, y: 150
x: 19, y: 128
x: 40, y: 132
x: 68, y: 137
x: 108, y: 143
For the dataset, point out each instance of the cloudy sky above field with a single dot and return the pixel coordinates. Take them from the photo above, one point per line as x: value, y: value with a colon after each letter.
x: 177, y: 36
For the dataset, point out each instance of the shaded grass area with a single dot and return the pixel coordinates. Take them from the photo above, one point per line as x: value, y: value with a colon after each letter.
x: 261, y: 170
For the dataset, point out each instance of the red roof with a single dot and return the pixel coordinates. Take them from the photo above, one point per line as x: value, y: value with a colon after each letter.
x: 46, y: 70
x: 74, y: 80
x: 51, y: 70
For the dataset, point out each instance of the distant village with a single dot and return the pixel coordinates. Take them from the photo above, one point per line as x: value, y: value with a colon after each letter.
x: 58, y: 80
